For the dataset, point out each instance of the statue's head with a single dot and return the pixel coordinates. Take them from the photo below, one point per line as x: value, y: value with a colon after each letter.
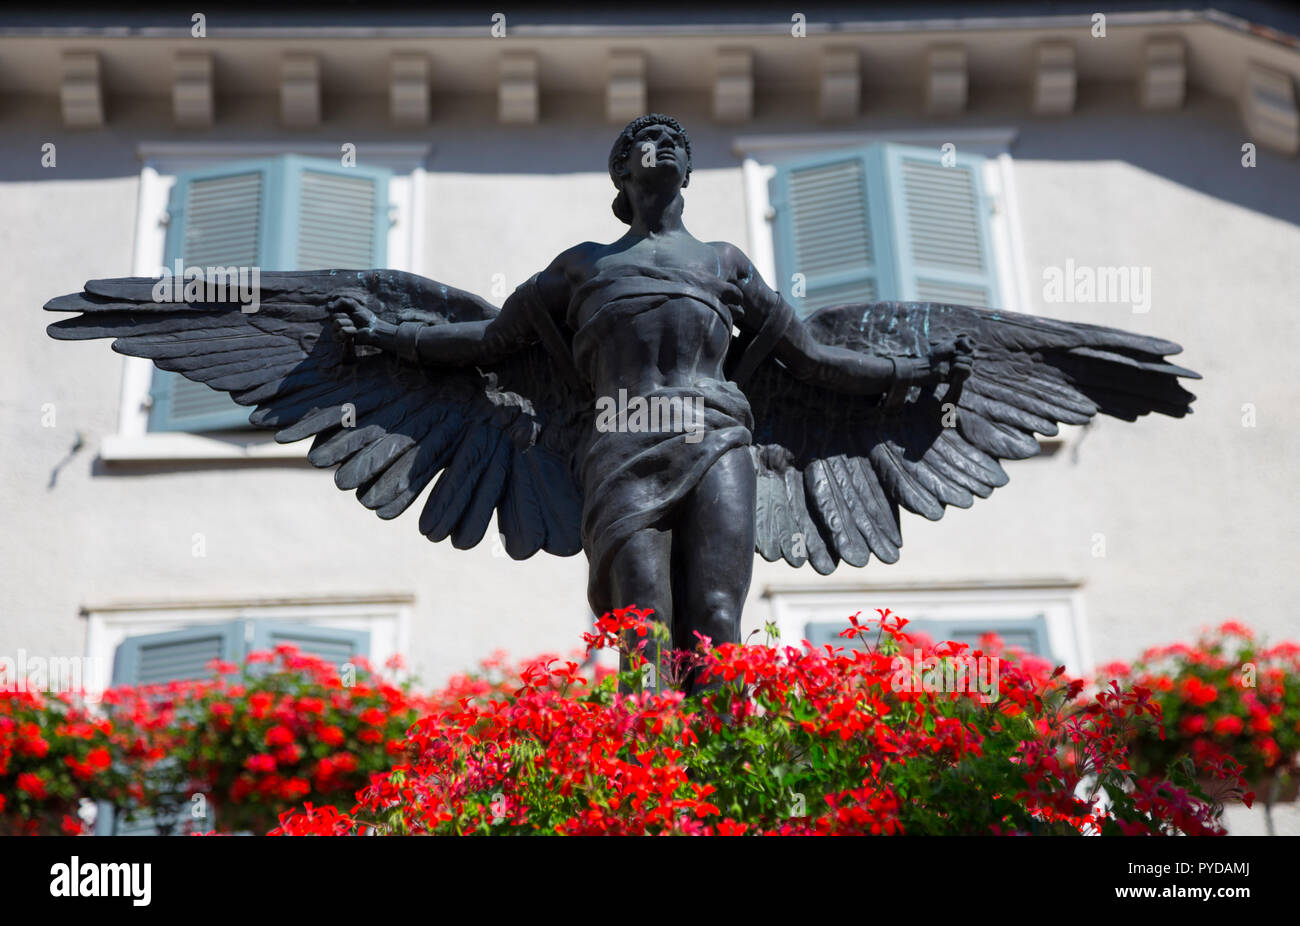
x: 653, y: 149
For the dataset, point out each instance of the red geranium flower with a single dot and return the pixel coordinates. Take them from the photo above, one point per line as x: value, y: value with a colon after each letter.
x: 279, y: 735
x: 32, y: 784
x: 260, y: 762
x: 259, y: 703
x: 34, y: 745
x: 1228, y: 726
x: 1198, y: 692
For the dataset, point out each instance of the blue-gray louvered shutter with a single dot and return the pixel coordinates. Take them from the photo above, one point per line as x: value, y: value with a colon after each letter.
x: 940, y: 217
x: 335, y: 645
x: 830, y: 228
x: 219, y: 217
x: 340, y: 216
x: 884, y: 222
x: 1028, y: 634
x: 158, y: 658
x: 155, y: 659
x: 286, y: 213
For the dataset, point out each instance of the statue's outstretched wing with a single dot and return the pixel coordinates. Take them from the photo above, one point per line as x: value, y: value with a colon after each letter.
x: 833, y: 468
x: 501, y: 435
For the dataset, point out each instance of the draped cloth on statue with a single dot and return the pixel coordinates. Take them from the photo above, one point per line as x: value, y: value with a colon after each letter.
x: 633, y: 478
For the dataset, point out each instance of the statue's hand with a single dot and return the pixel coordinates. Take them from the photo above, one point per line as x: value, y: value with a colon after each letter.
x: 951, y: 359
x: 963, y: 359
x: 352, y: 319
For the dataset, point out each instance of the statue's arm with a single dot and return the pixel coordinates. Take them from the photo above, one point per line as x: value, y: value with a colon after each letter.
x: 457, y: 343
x: 837, y: 368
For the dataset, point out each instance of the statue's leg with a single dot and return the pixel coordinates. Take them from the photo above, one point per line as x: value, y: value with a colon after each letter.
x: 714, y: 546
x: 640, y: 575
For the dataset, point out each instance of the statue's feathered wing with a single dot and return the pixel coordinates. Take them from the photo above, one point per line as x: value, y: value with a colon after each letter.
x: 833, y: 469
x: 502, y: 435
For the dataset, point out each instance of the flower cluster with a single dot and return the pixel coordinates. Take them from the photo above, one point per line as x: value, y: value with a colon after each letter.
x: 1227, y: 697
x: 284, y: 728
x: 53, y: 752
x: 779, y: 740
x: 776, y: 740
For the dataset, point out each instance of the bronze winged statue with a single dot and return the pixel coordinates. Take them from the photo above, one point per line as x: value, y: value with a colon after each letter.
x: 796, y: 437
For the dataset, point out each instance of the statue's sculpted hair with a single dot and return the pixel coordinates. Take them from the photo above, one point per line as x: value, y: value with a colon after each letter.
x: 622, y: 149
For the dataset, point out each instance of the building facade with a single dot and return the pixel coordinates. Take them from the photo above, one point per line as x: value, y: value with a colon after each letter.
x: 1142, y: 178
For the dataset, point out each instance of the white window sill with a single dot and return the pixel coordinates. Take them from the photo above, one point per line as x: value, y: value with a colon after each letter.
x: 118, y: 448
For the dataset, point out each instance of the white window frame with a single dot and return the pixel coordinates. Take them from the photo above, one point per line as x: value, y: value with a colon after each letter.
x: 1058, y: 601
x: 160, y: 164
x: 386, y: 617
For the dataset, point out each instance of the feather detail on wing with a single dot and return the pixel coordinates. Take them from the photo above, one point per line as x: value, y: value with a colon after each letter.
x: 501, y: 436
x: 833, y: 469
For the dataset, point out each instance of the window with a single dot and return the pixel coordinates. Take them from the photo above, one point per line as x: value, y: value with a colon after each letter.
x: 1025, y: 633
x: 158, y: 658
x: 138, y: 437
x: 883, y: 222
x: 383, y: 618
x: 284, y: 213
x: 887, y: 216
x: 155, y: 644
x: 1042, y: 617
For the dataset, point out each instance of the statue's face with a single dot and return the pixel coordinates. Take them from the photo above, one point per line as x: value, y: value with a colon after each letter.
x: 658, y: 158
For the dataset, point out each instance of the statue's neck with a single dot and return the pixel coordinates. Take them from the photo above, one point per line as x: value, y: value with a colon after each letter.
x: 657, y: 214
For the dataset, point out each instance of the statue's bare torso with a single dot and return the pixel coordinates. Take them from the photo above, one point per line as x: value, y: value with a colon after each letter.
x: 674, y: 342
